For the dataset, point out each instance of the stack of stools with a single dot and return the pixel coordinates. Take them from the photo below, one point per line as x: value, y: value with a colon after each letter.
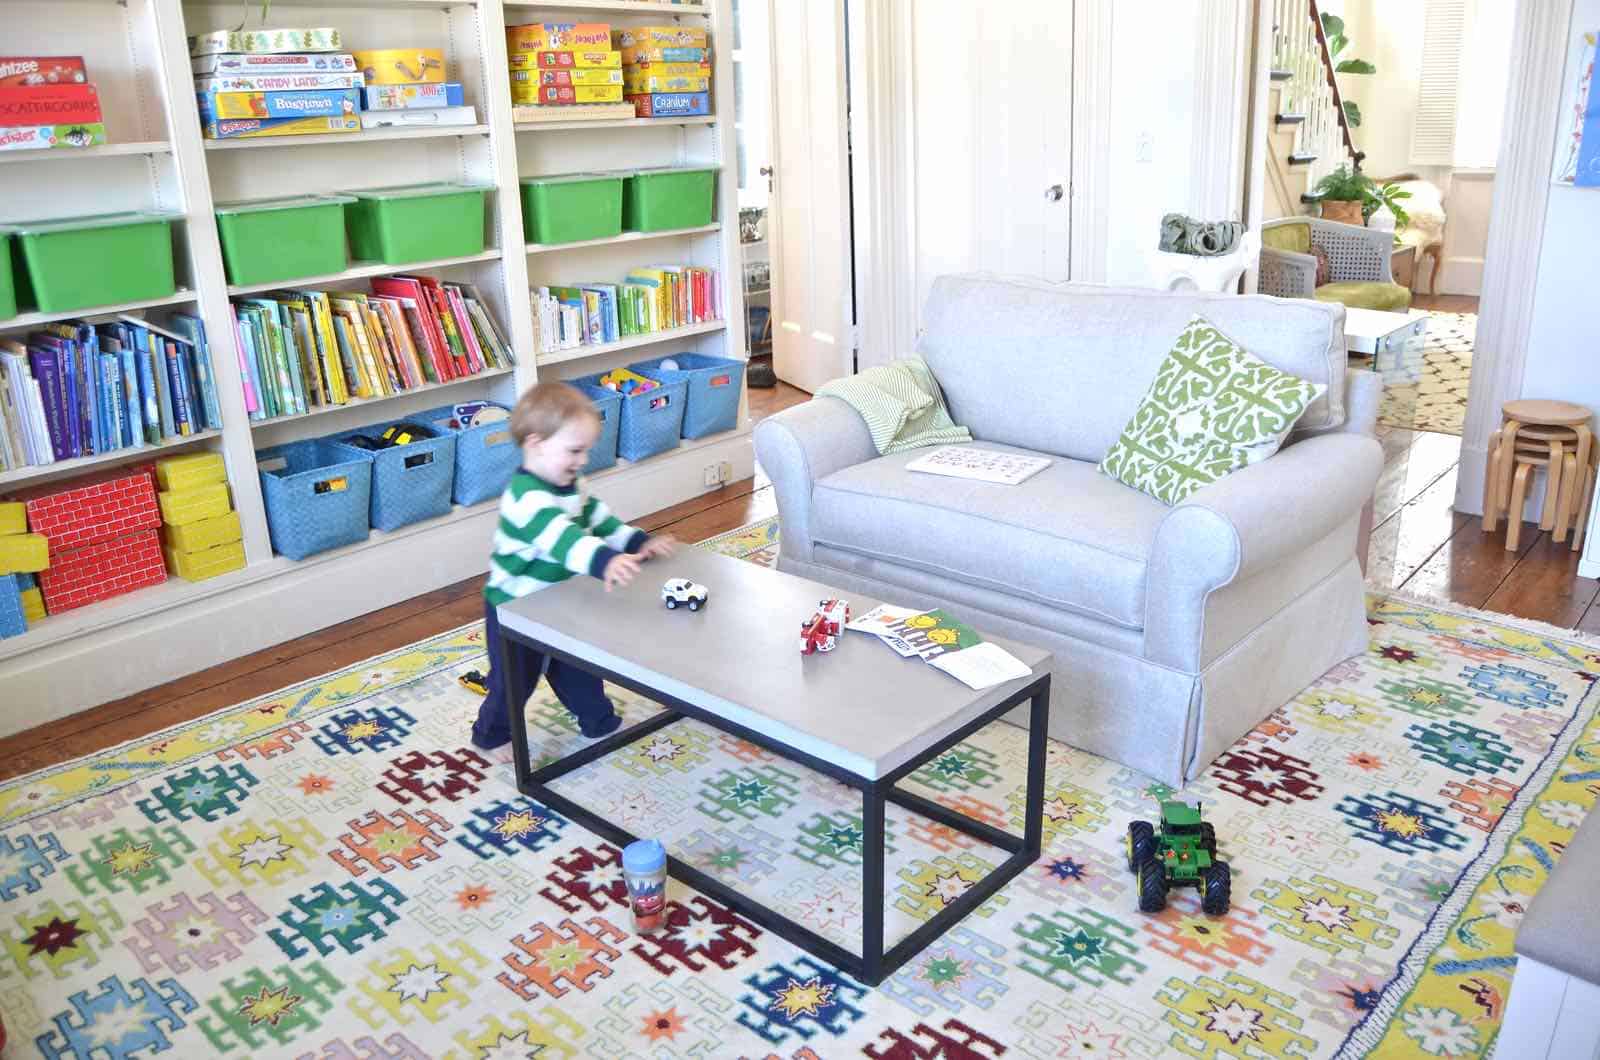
x: 1553, y: 435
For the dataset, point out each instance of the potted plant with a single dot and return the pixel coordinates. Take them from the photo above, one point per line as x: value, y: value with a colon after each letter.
x: 1344, y: 193
x: 1349, y: 196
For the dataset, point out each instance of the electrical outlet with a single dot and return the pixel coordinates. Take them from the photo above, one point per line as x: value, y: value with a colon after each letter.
x: 725, y: 471
x: 711, y: 475
x: 1144, y: 147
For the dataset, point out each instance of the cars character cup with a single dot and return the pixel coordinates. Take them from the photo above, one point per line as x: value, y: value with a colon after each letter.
x: 644, y: 866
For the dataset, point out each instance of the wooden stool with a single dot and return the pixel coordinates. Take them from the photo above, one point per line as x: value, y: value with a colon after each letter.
x: 1550, y: 434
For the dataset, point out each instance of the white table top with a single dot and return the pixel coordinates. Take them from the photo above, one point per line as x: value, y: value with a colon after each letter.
x: 860, y: 707
x: 1375, y: 323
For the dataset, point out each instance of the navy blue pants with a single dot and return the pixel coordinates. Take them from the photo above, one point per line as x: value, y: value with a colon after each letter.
x: 579, y: 691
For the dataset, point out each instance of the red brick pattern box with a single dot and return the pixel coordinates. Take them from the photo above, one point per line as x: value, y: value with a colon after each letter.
x: 92, y: 510
x: 100, y: 571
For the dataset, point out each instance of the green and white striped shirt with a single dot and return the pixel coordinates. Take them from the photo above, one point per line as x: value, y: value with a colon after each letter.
x: 547, y: 534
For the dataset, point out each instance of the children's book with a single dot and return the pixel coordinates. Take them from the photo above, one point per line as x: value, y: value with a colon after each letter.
x: 984, y: 465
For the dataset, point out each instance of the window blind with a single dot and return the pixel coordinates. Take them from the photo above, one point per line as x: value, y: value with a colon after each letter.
x: 1433, y: 130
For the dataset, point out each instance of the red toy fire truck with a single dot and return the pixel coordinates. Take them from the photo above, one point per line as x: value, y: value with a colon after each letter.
x: 822, y: 630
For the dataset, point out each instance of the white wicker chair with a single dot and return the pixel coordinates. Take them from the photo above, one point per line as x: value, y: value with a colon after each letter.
x: 1354, y: 254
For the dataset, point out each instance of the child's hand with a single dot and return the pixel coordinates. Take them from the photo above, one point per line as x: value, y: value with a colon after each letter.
x: 658, y: 547
x: 620, y: 571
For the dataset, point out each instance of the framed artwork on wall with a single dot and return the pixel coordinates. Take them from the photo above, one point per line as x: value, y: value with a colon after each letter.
x: 1578, y: 146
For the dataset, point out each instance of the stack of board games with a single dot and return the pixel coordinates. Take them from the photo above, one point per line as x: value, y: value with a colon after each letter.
x: 48, y: 101
x: 408, y: 87
x: 563, y: 64
x: 275, y: 82
x: 666, y: 70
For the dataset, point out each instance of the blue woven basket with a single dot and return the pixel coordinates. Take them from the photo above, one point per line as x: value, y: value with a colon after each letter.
x: 486, y: 456
x: 12, y: 621
x: 712, y: 404
x: 650, y: 422
x: 608, y: 404
x: 317, y: 495
x: 410, y: 483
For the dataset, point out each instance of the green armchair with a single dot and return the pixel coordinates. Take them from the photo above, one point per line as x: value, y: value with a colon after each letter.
x: 1358, y: 263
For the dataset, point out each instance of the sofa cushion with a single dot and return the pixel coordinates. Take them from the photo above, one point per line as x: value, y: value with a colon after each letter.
x: 1293, y: 237
x: 1059, y: 368
x: 1367, y: 294
x: 1068, y: 537
x: 1213, y: 409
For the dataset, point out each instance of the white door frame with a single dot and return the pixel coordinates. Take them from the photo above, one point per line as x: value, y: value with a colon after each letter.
x: 1516, y: 232
x: 804, y: 354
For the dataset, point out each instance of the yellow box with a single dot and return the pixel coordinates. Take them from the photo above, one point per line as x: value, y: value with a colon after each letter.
x: 659, y: 37
x: 596, y: 59
x: 637, y: 83
x: 558, y: 36
x: 644, y: 53
x: 13, y: 517
x: 182, y: 507
x: 190, y: 469
x: 207, y: 533
x: 32, y: 605
x: 573, y: 77
x: 24, y: 552
x: 401, y: 66
x: 539, y: 94
x: 667, y: 69
x: 208, y: 563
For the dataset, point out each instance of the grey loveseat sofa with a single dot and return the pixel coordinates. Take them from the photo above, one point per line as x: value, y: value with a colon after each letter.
x: 1175, y: 630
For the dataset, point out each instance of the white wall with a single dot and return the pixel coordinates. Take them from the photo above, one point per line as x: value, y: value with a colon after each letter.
x: 1388, y: 34
x: 1152, y: 96
x: 1563, y: 360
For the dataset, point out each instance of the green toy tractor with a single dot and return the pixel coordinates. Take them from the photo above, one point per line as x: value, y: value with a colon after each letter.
x: 1182, y: 854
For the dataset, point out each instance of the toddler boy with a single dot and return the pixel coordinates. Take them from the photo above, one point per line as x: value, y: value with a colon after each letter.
x: 550, y: 530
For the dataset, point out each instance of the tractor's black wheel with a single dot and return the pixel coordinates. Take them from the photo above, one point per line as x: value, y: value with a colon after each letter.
x: 1208, y: 839
x: 672, y: 605
x: 1216, y: 886
x: 1141, y: 844
x: 1152, y: 887
x: 694, y: 605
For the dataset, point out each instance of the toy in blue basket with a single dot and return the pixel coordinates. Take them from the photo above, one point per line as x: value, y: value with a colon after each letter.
x: 549, y: 531
x: 627, y: 383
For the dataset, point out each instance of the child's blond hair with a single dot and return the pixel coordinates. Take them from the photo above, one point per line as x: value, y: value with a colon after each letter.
x: 545, y: 407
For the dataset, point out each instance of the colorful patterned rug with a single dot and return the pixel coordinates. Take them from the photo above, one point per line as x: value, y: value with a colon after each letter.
x: 1439, y: 401
x: 332, y: 872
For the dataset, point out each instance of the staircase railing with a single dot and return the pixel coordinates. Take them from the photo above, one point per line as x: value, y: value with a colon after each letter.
x: 1311, y: 90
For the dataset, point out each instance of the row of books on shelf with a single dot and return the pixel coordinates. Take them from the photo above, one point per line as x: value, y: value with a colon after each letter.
x: 78, y: 389
x: 650, y: 299
x: 299, y: 350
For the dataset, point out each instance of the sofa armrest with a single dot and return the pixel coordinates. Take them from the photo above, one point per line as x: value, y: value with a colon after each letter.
x: 800, y: 446
x: 1286, y: 274
x: 1245, y: 523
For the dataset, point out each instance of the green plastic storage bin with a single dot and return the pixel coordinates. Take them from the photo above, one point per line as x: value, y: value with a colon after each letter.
x: 8, y: 289
x: 79, y: 262
x: 654, y: 200
x: 416, y: 222
x: 577, y: 206
x: 283, y: 239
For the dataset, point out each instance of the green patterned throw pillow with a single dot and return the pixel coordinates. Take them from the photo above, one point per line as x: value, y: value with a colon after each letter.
x: 1214, y: 408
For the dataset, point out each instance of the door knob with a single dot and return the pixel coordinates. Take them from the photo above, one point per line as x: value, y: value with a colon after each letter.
x: 1054, y: 192
x: 766, y: 171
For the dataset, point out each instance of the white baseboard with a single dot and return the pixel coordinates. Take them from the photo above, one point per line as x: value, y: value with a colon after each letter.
x: 171, y: 631
x: 1463, y: 276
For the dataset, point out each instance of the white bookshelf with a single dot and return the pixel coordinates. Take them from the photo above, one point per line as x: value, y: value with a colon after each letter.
x: 136, y: 53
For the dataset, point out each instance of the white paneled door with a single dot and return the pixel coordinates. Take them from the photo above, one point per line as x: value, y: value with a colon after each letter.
x: 808, y: 221
x: 992, y: 112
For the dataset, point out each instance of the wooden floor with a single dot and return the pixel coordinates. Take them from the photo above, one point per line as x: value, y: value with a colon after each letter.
x: 1419, y: 544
